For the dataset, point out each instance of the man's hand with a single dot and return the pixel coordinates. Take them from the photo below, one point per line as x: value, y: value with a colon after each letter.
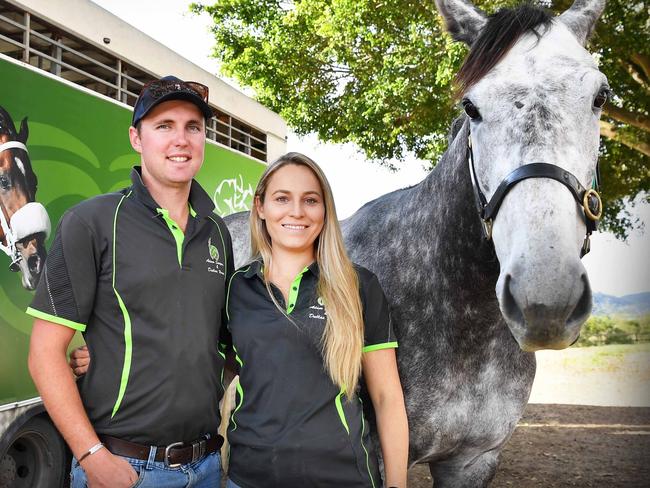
x: 80, y: 360
x: 104, y: 470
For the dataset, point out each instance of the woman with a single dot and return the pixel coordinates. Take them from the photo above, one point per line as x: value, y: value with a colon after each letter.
x: 306, y: 324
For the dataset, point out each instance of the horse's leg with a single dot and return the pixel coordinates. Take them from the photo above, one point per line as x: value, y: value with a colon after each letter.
x: 457, y: 473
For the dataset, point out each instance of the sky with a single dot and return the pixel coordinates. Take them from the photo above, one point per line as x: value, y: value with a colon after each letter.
x: 614, y: 267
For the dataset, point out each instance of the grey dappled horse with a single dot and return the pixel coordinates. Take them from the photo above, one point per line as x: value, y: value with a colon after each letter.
x: 465, y: 353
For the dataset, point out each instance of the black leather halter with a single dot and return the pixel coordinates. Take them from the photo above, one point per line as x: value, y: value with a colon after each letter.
x: 589, y: 200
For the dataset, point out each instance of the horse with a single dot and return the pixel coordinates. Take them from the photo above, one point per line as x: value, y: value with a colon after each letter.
x: 508, y: 208
x: 24, y: 223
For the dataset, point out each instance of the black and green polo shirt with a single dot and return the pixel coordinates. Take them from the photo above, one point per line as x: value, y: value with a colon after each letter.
x: 292, y: 427
x: 149, y: 300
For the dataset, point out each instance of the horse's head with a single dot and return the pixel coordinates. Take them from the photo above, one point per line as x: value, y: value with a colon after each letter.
x: 25, y: 223
x: 533, y: 95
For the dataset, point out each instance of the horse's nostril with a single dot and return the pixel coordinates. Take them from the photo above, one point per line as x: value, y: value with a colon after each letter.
x: 34, y: 263
x: 509, y: 305
x: 582, y: 309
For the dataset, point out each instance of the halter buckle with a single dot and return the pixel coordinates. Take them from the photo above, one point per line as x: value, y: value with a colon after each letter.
x: 487, y: 228
x: 592, y: 196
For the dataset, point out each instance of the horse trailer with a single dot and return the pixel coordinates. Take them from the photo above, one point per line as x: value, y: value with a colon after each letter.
x: 69, y: 74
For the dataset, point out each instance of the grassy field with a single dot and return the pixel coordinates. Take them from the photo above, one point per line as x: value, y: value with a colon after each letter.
x: 612, y: 358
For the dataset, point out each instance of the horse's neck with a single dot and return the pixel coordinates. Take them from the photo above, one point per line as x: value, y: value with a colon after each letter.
x: 457, y: 261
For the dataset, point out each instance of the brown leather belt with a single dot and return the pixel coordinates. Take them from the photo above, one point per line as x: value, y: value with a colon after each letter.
x: 173, y: 455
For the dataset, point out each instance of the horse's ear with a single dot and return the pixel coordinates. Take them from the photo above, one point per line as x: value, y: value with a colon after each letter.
x: 463, y: 20
x: 24, y: 131
x: 582, y: 16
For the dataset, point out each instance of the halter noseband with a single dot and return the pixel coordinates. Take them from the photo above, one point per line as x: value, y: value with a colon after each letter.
x: 589, y: 200
x: 13, y: 145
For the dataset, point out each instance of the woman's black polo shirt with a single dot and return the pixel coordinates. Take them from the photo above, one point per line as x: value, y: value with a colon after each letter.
x: 292, y: 427
x: 149, y: 301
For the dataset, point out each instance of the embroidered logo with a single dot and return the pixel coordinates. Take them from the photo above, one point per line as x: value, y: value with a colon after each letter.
x: 214, y: 265
x: 320, y: 313
x: 214, y: 252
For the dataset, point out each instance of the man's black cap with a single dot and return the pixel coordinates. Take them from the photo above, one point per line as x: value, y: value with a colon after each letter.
x: 170, y: 88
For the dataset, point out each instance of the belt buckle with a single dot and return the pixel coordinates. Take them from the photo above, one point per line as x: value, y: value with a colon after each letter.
x: 198, y: 449
x: 167, y: 453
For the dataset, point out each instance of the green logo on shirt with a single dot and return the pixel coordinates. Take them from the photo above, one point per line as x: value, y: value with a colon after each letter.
x: 214, y: 252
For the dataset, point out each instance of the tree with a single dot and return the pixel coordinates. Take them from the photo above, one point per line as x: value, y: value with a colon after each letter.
x: 380, y: 73
x: 599, y: 330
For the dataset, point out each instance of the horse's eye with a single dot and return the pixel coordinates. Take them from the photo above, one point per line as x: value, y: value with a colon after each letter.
x: 471, y: 110
x: 601, y: 98
x: 4, y: 182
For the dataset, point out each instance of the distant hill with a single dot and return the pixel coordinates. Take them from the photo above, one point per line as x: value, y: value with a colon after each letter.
x: 629, y: 305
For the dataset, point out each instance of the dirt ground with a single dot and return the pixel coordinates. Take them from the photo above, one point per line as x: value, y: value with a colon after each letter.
x: 589, y: 425
x: 558, y: 446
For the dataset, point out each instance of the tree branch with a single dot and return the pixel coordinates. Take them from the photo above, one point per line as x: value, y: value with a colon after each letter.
x: 636, y: 76
x: 643, y: 62
x: 611, y: 132
x: 621, y: 115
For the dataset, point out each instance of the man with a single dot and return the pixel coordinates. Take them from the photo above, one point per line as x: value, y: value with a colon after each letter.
x: 142, y: 273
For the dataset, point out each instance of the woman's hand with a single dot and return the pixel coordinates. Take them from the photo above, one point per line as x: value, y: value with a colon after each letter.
x: 80, y: 360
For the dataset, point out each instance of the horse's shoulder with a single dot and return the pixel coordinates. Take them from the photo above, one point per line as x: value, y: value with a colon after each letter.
x: 375, y: 214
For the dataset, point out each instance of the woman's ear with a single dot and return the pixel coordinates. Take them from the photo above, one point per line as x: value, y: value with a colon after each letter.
x: 259, y: 206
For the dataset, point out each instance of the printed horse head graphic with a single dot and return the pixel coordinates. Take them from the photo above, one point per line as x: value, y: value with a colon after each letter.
x: 24, y: 223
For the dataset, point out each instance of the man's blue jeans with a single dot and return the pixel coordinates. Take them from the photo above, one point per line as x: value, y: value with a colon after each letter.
x: 204, y: 473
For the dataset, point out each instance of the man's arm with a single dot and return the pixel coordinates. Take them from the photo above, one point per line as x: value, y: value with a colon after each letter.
x: 56, y: 385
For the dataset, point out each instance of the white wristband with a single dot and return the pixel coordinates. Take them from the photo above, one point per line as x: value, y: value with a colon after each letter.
x: 90, y: 451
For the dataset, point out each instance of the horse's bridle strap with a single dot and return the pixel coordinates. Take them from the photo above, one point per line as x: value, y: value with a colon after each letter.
x: 588, y: 200
x: 10, y: 248
x: 533, y: 170
x: 13, y: 145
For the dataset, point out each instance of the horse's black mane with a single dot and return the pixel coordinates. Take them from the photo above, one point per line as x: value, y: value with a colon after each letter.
x: 6, y: 123
x: 501, y: 32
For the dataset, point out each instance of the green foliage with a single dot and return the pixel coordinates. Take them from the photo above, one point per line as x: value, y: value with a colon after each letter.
x: 379, y: 73
x: 622, y: 39
x: 612, y: 330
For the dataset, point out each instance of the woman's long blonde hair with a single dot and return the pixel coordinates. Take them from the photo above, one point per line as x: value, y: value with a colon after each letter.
x: 338, y: 284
